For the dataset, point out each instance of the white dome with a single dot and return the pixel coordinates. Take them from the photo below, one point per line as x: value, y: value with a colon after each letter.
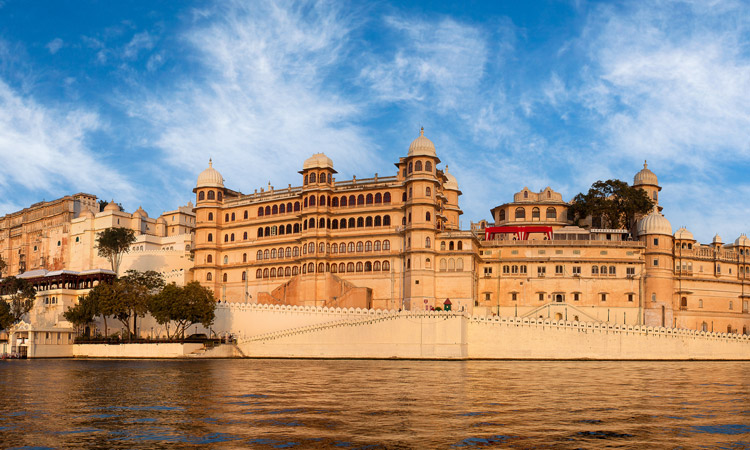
x: 111, y: 206
x: 318, y: 161
x: 451, y: 182
x: 654, y: 223
x: 742, y: 240
x: 684, y: 234
x: 645, y: 176
x: 421, y: 146
x: 140, y: 212
x: 717, y: 239
x: 210, y: 177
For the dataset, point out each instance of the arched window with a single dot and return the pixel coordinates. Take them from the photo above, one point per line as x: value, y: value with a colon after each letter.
x: 209, y: 276
x: 322, y: 200
x: 225, y: 278
x: 342, y: 248
x: 386, y: 221
x: 260, y: 232
x: 334, y: 268
x: 535, y: 213
x: 210, y: 237
x: 386, y: 244
x: 312, y: 178
x: 368, y: 221
x: 460, y: 245
x: 368, y: 246
x: 428, y: 263
x: 295, y: 252
x: 322, y: 247
x: 352, y: 200
x: 378, y: 198
x: 442, y: 246
x: 359, y: 247
x: 376, y: 247
x: 603, y: 270
x: 411, y: 167
x: 551, y: 213
x: 443, y: 265
x: 244, y: 236
x: 226, y: 238
x: 359, y: 267
x: 335, y: 202
x: 342, y: 224
x: 231, y: 237
x: 451, y: 246
x: 350, y: 247
x: 387, y: 197
x: 211, y: 195
x: 428, y: 192
x: 296, y: 228
x: 321, y: 268
x: 460, y: 264
x: 267, y: 210
x: 343, y: 201
x: 312, y: 200
x: 352, y: 223
x: 282, y: 230
x: 275, y: 209
x: 244, y: 257
x: 594, y: 270
x: 427, y: 217
x: 258, y: 273
x: 265, y: 273
x: 288, y: 271
x: 369, y: 199
x: 260, y: 211
x: 305, y: 204
x: 427, y: 242
x: 360, y: 199
x: 295, y: 270
x: 266, y: 254
x: 311, y: 248
x: 368, y: 266
x: 273, y: 253
x: 612, y: 270
x: 322, y: 223
x: 201, y: 195
x: 289, y: 252
x: 418, y: 166
x: 209, y: 259
x: 273, y: 272
x: 244, y: 276
x: 428, y: 166
x: 296, y: 206
x: 310, y: 267
x: 311, y: 223
x: 232, y: 217
x: 386, y: 266
x: 360, y: 222
x: 520, y: 213
x: 259, y: 255
x: 501, y: 215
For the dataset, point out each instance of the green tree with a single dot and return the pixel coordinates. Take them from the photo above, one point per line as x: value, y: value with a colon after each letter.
x: 611, y: 203
x: 183, y: 306
x: 112, y: 243
x: 19, y: 301
x: 3, y: 265
x: 138, y: 289
x: 81, y: 314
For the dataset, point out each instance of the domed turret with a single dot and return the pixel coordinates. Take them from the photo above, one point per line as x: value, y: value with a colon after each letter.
x: 717, y: 240
x: 654, y: 223
x: 210, y: 177
x: 742, y: 241
x: 451, y: 182
x: 87, y: 213
x: 421, y: 146
x: 140, y: 212
x: 684, y: 234
x: 318, y: 161
x: 645, y: 176
x: 111, y: 206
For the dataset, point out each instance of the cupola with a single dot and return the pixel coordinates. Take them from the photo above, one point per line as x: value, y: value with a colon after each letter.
x: 210, y: 177
x: 421, y: 146
x: 654, y: 223
x: 645, y: 176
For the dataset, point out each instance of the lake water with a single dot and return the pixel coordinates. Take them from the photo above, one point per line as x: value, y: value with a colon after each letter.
x: 262, y: 404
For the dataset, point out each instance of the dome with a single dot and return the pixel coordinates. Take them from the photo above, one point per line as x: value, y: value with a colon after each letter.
x: 645, y: 176
x: 654, y: 223
x: 717, y: 240
x: 161, y: 220
x: 421, y: 146
x: 318, y: 161
x: 210, y: 177
x: 684, y: 234
x: 140, y: 212
x: 451, y: 182
x: 111, y: 206
x: 86, y: 213
x: 742, y: 240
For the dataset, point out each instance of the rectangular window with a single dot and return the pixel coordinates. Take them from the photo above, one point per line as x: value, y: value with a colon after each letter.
x: 576, y: 296
x: 577, y: 271
x: 541, y: 271
x: 603, y: 297
x: 541, y: 296
x: 513, y: 296
x: 558, y: 270
x: 630, y: 297
x: 656, y: 241
x: 656, y: 261
x: 558, y: 252
x: 541, y: 252
x: 488, y: 270
x: 718, y: 268
x: 487, y: 296
x: 630, y: 271
x: 731, y: 304
x: 523, y: 269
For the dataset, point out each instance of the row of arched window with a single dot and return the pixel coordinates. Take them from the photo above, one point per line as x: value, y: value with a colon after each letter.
x: 451, y: 246
x: 416, y: 166
x: 344, y: 201
x: 282, y: 208
x: 210, y: 195
x: 351, y: 267
x: 312, y: 177
x: 322, y: 247
x: 450, y: 264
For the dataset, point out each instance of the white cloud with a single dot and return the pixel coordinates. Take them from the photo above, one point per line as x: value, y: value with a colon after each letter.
x: 44, y: 150
x: 264, y: 101
x: 140, y: 41
x: 55, y: 45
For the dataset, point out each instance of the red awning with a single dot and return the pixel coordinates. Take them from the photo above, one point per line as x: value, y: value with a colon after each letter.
x: 521, y: 232
x: 447, y: 302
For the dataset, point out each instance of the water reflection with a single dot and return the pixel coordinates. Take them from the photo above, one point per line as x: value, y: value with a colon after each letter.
x: 373, y: 404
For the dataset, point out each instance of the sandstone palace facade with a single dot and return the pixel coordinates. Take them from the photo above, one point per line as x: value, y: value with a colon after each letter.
x: 394, y: 242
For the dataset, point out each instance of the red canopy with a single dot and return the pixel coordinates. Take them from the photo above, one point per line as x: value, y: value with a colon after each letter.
x: 521, y: 232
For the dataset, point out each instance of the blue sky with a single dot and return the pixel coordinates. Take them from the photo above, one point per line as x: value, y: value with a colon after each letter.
x: 128, y: 100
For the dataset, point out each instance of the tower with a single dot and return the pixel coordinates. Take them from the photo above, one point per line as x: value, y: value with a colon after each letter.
x: 657, y: 291
x: 209, y: 197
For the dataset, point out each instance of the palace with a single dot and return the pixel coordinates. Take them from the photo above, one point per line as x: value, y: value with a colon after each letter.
x: 394, y: 242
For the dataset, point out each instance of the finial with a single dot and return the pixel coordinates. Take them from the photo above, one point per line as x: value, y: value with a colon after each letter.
x: 645, y: 164
x: 446, y: 167
x: 421, y: 131
x: 210, y: 163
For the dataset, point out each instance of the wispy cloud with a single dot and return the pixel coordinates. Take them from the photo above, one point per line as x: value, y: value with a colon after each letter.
x: 265, y: 99
x: 44, y: 151
x: 55, y: 45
